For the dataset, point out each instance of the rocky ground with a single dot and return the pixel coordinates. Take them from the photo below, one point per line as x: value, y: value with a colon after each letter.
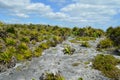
x: 53, y: 60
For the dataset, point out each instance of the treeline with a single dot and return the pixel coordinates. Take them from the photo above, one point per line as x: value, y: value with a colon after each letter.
x: 88, y: 31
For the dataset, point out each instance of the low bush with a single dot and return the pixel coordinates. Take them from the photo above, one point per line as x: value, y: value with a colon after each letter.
x: 68, y: 50
x: 107, y: 65
x: 10, y: 41
x: 51, y: 76
x: 85, y: 44
x: 5, y: 57
x: 106, y: 43
x: 25, y: 39
x: 80, y: 78
x: 44, y: 45
x: 85, y: 38
x: 37, y: 52
x: 22, y: 46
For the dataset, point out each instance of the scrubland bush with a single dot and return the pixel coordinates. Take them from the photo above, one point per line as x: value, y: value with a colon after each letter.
x: 85, y: 44
x: 25, y: 39
x: 106, y: 43
x: 38, y: 52
x: 107, y: 65
x: 51, y: 76
x: 5, y: 57
x: 85, y: 38
x: 10, y: 41
x: 68, y: 50
x: 44, y: 45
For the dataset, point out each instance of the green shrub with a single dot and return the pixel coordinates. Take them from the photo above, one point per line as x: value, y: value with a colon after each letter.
x: 22, y: 46
x: 27, y: 54
x: 19, y: 57
x: 57, y: 39
x: 76, y: 64
x: 106, y: 43
x: 68, y: 50
x: 1, y: 46
x: 10, y: 41
x: 25, y: 39
x: 114, y: 34
x: 51, y: 43
x: 6, y: 56
x: 80, y: 78
x: 85, y: 38
x: 10, y: 30
x: 107, y: 65
x: 51, y: 76
x: 85, y: 44
x: 44, y: 45
x: 38, y: 52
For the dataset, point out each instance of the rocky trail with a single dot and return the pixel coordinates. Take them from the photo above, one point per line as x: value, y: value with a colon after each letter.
x: 54, y: 60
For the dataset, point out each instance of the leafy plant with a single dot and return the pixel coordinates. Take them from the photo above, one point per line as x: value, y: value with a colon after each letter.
x: 85, y: 44
x: 80, y: 78
x: 37, y: 52
x: 10, y: 30
x: 51, y: 76
x: 25, y: 39
x: 107, y: 65
x: 68, y: 50
x: 106, y: 43
x: 6, y: 56
x: 10, y: 41
x: 44, y: 45
x: 22, y: 46
x: 85, y: 38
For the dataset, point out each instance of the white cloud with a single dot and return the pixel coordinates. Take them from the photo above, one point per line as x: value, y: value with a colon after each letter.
x: 22, y: 15
x: 92, y: 11
x: 22, y: 8
x: 77, y: 12
x: 58, y: 1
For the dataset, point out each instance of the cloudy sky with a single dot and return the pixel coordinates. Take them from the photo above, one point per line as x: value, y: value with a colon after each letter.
x: 68, y: 13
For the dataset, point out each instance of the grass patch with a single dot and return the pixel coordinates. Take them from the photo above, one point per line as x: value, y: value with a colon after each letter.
x: 38, y: 52
x: 80, y: 78
x: 106, y: 43
x: 107, y: 65
x: 85, y: 44
x: 75, y: 64
x: 68, y: 50
x: 51, y: 76
x: 85, y: 38
x: 74, y: 41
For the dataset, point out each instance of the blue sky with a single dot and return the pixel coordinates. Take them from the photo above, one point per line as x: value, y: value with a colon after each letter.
x: 66, y: 13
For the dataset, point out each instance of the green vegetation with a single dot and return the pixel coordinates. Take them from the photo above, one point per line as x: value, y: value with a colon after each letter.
x: 18, y: 40
x: 80, y: 78
x: 68, y: 50
x: 10, y: 41
x: 88, y: 31
x: 114, y: 34
x: 107, y: 65
x: 76, y: 64
x: 85, y: 44
x: 106, y: 43
x: 51, y: 76
x: 81, y: 39
x: 22, y: 37
x: 85, y: 38
x: 38, y: 52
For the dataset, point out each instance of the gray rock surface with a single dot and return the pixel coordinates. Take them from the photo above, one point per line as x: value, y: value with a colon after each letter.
x: 54, y: 60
